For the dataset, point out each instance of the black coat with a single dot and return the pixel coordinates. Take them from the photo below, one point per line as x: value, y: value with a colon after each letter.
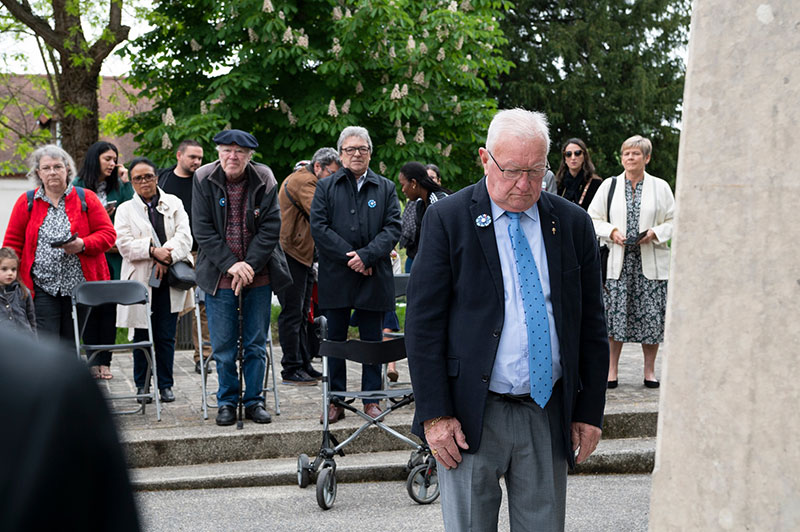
x: 455, y: 311
x: 367, y: 222
x: 263, y: 218
x: 16, y: 308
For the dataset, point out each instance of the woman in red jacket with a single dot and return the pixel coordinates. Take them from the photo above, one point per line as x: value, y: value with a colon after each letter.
x: 60, y: 233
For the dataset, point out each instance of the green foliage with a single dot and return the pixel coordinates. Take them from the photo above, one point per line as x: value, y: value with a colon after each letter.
x: 602, y: 70
x: 296, y: 73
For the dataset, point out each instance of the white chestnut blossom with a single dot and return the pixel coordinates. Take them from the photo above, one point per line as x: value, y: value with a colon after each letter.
x: 267, y: 7
x: 422, y: 48
x: 447, y: 150
x: 346, y: 107
x: 302, y: 41
x: 337, y: 13
x: 166, y: 144
x: 291, y: 117
x: 347, y: 13
x: 382, y: 167
x: 194, y: 45
x: 397, y: 123
x: 411, y: 43
x: 457, y: 110
x: 284, y: 107
x: 419, y: 78
x: 404, y: 90
x: 396, y: 94
x: 460, y: 43
x: 453, y: 6
x: 287, y: 35
x: 400, y: 139
x: 332, y: 109
x: 281, y: 15
x: 359, y: 88
x: 440, y: 56
x: 425, y: 107
x: 203, y: 108
x: 251, y: 33
x: 168, y: 118
x: 420, y: 135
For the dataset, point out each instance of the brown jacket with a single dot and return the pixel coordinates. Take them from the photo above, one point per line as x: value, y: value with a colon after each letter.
x: 296, y: 238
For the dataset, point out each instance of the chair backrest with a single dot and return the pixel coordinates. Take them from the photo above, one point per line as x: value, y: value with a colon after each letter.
x: 365, y: 352
x: 400, y: 284
x: 94, y: 293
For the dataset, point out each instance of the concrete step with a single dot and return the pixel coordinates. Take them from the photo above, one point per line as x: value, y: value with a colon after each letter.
x: 630, y: 455
x: 208, y: 443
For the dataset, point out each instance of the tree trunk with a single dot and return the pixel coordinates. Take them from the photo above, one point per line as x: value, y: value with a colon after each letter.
x: 80, y: 120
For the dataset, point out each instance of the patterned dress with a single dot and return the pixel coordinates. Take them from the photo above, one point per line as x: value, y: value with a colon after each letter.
x: 635, y: 305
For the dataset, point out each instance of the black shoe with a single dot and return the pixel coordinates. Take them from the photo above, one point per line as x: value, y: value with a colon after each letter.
x: 613, y: 384
x: 299, y: 378
x: 311, y: 372
x: 651, y: 384
x: 257, y: 413
x: 143, y: 400
x: 197, y: 368
x: 226, y: 415
x: 167, y: 396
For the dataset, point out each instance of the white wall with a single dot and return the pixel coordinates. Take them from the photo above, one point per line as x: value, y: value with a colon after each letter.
x: 10, y: 190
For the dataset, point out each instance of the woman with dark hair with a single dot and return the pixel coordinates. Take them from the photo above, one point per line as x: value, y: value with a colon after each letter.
x: 102, y: 174
x: 152, y: 234
x: 576, y: 178
x: 434, y: 173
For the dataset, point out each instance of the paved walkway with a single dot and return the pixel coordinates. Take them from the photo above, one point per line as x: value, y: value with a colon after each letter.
x: 300, y: 406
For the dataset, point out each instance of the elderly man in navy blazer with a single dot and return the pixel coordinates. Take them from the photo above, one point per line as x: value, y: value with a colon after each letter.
x: 506, y: 336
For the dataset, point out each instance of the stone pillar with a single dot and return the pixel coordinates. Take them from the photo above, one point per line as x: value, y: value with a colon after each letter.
x: 728, y: 451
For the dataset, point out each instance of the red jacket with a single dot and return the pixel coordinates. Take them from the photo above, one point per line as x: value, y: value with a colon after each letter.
x: 93, y: 226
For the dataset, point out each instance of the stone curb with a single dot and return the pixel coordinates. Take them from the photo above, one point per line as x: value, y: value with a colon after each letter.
x: 230, y: 446
x: 633, y: 455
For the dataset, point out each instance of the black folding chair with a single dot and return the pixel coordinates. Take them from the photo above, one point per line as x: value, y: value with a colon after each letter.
x: 95, y: 293
x: 422, y: 483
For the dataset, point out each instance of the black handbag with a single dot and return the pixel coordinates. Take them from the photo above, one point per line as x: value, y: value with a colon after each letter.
x: 604, y: 249
x: 181, y: 276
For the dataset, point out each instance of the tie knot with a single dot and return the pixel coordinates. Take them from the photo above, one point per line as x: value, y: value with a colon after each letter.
x: 513, y: 215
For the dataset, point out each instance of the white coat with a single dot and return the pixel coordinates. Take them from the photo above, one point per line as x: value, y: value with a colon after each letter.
x: 656, y: 212
x: 134, y: 238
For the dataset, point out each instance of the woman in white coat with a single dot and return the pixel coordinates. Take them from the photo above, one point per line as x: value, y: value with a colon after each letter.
x: 152, y: 233
x: 636, y: 231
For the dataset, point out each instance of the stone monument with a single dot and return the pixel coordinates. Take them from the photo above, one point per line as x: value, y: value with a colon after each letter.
x: 728, y: 451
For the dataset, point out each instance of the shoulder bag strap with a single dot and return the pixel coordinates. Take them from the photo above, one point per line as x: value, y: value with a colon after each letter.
x: 297, y: 205
x: 610, y: 197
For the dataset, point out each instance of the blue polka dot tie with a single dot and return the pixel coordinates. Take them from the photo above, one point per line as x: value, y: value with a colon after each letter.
x: 540, y: 359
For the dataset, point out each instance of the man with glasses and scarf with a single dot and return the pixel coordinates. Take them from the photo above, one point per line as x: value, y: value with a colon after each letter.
x: 355, y: 223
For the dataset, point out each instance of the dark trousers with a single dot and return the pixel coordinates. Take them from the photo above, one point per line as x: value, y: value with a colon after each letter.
x: 292, y: 323
x: 370, y: 324
x: 54, y: 319
x: 164, y: 324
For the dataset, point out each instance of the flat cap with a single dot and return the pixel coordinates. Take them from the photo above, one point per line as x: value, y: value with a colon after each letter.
x: 236, y: 136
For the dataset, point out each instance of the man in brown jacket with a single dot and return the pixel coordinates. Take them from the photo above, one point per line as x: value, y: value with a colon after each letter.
x: 295, y: 197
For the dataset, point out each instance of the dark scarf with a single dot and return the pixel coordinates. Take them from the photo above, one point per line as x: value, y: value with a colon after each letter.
x: 571, y: 187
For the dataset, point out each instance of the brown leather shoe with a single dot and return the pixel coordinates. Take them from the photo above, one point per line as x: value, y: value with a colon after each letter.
x: 372, y: 410
x: 335, y: 413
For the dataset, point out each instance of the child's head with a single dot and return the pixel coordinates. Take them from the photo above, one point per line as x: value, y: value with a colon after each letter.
x: 9, y: 264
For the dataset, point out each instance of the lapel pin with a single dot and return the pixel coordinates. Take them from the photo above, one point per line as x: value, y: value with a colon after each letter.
x: 554, y: 230
x: 372, y: 203
x: 484, y: 220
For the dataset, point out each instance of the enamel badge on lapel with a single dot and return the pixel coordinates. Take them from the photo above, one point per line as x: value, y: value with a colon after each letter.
x: 222, y: 202
x: 257, y: 211
x: 372, y: 203
x: 484, y: 220
x: 554, y: 227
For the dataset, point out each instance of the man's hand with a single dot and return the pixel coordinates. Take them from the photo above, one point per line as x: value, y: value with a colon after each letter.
x: 444, y: 437
x: 355, y: 263
x: 585, y: 438
x: 242, y: 276
x: 163, y: 255
x: 617, y: 237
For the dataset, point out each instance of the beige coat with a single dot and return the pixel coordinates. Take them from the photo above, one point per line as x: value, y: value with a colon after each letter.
x: 656, y: 213
x: 134, y: 238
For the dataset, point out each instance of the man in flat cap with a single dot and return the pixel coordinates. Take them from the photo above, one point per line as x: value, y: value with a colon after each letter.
x: 236, y: 223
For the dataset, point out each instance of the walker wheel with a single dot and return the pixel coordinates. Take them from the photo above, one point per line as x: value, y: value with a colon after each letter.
x: 326, y: 488
x: 303, y: 470
x: 423, y: 483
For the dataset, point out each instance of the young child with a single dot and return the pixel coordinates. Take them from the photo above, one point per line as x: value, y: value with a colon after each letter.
x: 16, y: 303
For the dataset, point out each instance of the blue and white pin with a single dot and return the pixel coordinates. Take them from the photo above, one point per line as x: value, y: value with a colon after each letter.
x: 222, y: 202
x: 372, y: 203
x: 484, y: 220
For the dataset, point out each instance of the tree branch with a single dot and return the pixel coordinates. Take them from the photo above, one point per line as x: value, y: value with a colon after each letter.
x: 23, y: 13
x: 103, y: 47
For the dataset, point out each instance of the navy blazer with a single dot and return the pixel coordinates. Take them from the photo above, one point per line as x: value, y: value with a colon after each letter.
x: 368, y: 222
x: 455, y: 311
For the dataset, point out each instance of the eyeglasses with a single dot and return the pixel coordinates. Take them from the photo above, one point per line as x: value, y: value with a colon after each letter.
x: 569, y: 154
x: 143, y: 178
x: 54, y: 168
x: 238, y: 152
x: 513, y: 175
x: 352, y: 149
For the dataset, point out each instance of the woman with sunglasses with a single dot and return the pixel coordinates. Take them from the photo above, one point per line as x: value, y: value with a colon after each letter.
x: 153, y: 233
x: 576, y: 178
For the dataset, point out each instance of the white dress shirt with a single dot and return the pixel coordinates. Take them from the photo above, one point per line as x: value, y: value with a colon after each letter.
x: 510, y: 371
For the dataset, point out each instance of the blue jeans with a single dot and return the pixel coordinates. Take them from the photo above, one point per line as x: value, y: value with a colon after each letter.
x: 223, y: 328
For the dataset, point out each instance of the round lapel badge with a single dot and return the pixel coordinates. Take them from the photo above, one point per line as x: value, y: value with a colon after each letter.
x: 222, y: 202
x: 484, y: 220
x: 372, y: 203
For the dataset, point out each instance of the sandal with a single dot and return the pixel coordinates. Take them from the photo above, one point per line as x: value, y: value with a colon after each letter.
x: 94, y: 371
x: 105, y: 373
x: 393, y: 375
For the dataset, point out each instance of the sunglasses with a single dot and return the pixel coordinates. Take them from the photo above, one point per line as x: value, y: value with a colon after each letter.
x: 577, y: 153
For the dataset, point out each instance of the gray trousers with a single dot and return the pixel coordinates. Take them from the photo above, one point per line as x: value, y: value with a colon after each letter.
x: 522, y: 443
